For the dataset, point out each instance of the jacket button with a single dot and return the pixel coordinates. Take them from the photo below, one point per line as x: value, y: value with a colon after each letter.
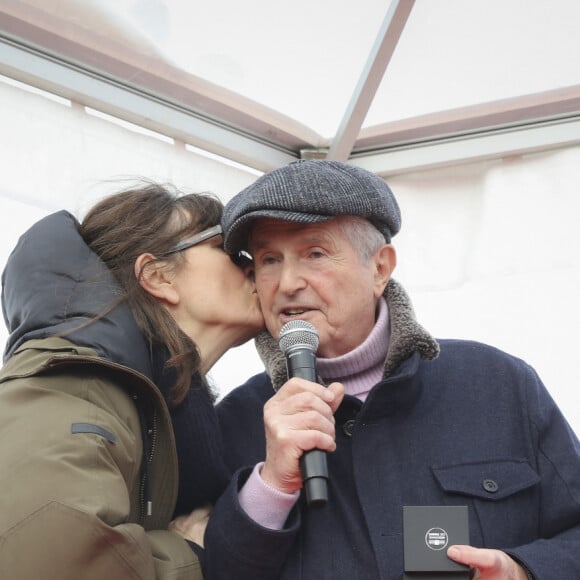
x: 490, y: 485
x: 348, y: 427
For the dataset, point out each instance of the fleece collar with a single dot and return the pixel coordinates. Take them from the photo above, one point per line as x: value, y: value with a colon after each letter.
x: 407, y: 337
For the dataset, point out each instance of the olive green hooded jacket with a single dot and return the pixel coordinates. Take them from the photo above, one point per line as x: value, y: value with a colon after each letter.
x: 88, y: 467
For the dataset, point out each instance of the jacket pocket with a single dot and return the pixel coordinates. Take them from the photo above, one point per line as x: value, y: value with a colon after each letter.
x: 490, y: 480
x: 503, y: 497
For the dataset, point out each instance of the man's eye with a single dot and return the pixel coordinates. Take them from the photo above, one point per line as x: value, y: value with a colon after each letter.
x: 267, y: 260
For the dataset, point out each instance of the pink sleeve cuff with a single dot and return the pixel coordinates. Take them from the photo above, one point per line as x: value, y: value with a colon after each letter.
x: 264, y: 504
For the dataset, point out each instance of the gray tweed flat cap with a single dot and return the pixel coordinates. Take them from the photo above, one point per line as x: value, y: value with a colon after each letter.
x: 310, y: 191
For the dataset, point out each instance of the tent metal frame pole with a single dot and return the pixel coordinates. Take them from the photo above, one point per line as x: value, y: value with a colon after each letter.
x: 370, y: 79
x: 138, y: 107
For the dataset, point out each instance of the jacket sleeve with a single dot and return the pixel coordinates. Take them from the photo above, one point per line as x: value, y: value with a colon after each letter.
x: 65, y: 506
x: 555, y: 553
x: 65, y: 543
x: 237, y: 548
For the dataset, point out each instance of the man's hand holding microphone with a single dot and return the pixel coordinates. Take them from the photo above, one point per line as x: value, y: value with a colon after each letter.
x: 299, y: 419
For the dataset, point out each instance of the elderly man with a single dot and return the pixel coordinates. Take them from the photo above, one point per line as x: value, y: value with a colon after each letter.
x: 406, y: 420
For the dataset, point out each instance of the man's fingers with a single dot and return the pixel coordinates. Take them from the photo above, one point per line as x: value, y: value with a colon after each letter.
x: 489, y: 564
x: 474, y: 557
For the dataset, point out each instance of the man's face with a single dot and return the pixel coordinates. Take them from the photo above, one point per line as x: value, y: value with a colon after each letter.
x: 311, y: 272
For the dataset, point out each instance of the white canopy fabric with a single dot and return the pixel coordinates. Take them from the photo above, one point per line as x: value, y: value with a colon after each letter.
x: 264, y: 83
x: 475, y: 125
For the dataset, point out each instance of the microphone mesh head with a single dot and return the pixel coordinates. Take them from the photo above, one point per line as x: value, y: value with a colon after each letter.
x: 298, y: 333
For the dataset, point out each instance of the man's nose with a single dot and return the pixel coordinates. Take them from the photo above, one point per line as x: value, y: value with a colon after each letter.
x: 291, y: 277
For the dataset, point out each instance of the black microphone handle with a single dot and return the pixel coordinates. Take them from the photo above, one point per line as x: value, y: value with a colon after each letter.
x: 302, y: 364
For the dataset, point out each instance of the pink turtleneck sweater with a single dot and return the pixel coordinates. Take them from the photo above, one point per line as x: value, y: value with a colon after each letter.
x: 358, y: 370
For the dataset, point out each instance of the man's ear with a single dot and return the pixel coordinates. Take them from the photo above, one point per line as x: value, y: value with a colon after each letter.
x: 384, y: 260
x: 156, y: 278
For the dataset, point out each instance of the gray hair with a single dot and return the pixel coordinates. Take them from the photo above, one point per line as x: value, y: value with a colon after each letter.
x: 363, y: 236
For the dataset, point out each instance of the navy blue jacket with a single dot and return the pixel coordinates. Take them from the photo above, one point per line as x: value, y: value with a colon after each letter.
x: 474, y: 426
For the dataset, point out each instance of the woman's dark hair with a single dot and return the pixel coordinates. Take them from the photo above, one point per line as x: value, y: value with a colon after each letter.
x: 151, y: 218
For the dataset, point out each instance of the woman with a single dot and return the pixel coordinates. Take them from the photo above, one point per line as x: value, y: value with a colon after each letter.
x: 104, y: 409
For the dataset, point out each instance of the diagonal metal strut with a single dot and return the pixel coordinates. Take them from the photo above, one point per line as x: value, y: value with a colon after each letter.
x: 371, y: 77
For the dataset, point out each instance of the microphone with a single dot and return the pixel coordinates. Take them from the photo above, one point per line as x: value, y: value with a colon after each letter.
x: 299, y: 341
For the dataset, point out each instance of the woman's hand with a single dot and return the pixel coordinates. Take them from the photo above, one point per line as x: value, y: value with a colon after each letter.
x: 192, y: 527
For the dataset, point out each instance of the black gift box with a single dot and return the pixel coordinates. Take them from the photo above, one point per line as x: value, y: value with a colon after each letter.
x: 427, y: 533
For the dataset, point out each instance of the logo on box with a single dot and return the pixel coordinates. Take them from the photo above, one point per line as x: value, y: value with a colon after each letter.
x: 436, y: 539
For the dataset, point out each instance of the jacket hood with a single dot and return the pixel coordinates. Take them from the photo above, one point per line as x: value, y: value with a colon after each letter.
x: 53, y: 283
x: 407, y: 337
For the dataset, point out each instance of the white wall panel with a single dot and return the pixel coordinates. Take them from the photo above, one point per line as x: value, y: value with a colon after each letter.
x: 491, y: 252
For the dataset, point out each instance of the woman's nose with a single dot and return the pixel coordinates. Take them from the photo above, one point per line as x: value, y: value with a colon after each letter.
x: 250, y: 271
x: 245, y: 262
